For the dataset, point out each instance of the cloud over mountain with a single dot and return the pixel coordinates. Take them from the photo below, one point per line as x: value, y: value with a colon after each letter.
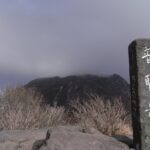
x: 47, y: 38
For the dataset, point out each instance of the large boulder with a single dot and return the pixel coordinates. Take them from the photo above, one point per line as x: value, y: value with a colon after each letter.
x: 58, y: 138
x: 63, y: 138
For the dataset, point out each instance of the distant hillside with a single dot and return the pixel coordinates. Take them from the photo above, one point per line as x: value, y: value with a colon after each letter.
x: 63, y: 90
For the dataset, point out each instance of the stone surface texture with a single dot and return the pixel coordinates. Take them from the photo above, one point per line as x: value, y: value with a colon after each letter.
x: 20, y: 139
x: 61, y: 138
x: 139, y: 58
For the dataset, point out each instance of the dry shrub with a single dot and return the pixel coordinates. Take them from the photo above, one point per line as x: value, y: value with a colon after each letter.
x: 109, y: 117
x: 22, y: 108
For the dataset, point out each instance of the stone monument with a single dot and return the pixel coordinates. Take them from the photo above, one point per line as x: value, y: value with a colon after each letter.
x: 139, y: 60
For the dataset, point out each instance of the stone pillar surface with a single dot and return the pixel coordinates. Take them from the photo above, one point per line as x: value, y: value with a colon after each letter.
x: 139, y: 65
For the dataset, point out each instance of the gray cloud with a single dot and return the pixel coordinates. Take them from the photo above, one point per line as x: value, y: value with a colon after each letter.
x: 48, y: 37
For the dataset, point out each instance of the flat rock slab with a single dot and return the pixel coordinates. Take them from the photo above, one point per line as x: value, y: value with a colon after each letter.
x: 61, y: 138
x: 20, y: 139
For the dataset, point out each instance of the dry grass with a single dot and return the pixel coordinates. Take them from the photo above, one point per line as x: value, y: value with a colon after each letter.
x: 23, y: 109
x: 109, y: 117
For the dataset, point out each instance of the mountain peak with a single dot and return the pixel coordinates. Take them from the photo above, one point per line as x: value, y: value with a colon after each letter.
x: 63, y: 90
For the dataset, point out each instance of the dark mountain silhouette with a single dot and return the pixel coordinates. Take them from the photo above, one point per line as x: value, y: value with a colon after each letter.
x: 61, y: 91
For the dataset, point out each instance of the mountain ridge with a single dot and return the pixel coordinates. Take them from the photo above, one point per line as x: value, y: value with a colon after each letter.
x: 62, y: 90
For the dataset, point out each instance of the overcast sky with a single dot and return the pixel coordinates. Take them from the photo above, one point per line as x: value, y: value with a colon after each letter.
x: 64, y: 37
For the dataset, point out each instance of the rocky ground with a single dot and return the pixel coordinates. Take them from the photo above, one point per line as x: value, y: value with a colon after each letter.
x: 61, y: 138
